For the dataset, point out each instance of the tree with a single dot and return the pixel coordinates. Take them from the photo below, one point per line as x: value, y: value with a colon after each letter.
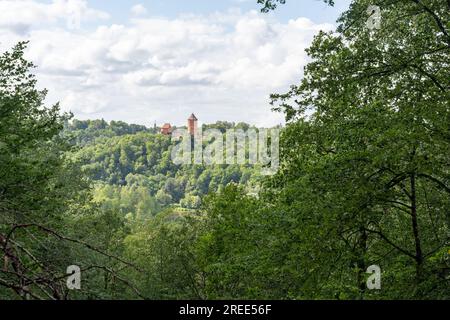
x: 41, y: 192
x: 272, y: 4
x: 374, y: 149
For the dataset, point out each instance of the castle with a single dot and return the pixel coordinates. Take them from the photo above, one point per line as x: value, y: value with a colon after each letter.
x: 192, y: 126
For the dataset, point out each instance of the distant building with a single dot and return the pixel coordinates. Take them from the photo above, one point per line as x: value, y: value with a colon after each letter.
x: 166, y: 129
x: 192, y: 124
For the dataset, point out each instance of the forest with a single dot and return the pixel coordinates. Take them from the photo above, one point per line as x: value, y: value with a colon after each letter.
x: 364, y: 180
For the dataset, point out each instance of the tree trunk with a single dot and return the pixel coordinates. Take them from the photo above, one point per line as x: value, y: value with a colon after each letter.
x: 360, y: 262
x: 415, y: 229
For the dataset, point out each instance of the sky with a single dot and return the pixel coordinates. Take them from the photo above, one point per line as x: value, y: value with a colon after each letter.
x: 161, y: 60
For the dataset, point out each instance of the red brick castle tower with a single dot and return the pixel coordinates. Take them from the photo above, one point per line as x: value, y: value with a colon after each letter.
x: 192, y: 124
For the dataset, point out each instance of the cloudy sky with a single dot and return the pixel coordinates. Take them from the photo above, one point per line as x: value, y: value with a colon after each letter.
x: 160, y: 60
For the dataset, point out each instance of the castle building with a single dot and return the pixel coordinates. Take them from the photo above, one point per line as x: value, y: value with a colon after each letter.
x: 166, y: 129
x: 192, y: 124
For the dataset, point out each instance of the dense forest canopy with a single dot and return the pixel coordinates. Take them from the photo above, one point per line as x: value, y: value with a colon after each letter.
x: 121, y: 157
x: 364, y: 181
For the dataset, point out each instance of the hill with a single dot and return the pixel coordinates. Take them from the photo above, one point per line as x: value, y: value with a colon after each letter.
x: 131, y: 168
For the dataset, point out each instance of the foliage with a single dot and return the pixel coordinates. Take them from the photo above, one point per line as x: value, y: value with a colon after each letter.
x: 44, y: 199
x: 364, y: 180
x: 143, y: 160
x: 268, y: 5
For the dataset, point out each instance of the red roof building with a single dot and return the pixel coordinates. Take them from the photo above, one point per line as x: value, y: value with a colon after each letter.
x: 166, y: 129
x: 192, y: 124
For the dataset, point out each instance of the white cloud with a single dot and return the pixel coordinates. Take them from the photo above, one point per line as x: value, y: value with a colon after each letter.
x: 138, y: 10
x: 221, y: 66
x: 20, y: 16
